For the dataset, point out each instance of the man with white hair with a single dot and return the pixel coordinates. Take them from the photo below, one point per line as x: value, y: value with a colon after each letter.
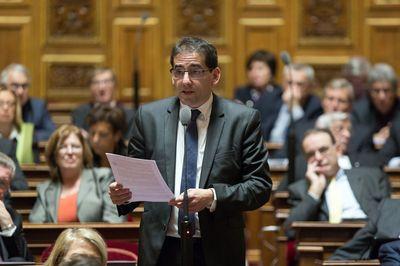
x: 16, y: 78
x: 13, y: 246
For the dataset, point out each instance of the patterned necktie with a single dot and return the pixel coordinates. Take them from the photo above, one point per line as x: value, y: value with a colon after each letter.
x: 190, y: 164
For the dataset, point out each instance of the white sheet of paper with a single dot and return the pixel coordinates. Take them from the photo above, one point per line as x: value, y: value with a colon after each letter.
x: 141, y: 176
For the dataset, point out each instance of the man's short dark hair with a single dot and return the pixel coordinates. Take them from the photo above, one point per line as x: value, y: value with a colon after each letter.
x: 263, y: 56
x: 314, y: 131
x: 196, y: 45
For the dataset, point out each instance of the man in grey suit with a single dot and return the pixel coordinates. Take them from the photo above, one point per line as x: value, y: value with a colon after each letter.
x: 232, y: 174
x: 358, y: 190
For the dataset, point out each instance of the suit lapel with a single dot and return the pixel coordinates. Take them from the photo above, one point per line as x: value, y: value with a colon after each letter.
x: 356, y: 184
x: 52, y: 195
x: 170, y: 135
x: 84, y: 188
x: 213, y: 136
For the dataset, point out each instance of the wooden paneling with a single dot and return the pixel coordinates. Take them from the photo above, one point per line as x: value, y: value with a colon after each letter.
x: 133, y: 40
x: 383, y: 38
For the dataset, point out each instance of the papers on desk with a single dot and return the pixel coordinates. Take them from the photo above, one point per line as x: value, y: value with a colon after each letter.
x: 141, y: 176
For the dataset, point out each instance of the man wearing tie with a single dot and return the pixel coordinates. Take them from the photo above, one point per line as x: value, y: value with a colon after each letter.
x: 226, y: 164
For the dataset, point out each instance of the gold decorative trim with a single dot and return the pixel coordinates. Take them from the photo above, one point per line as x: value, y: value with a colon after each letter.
x: 383, y: 21
x: 261, y: 21
x: 135, y: 21
x: 322, y: 60
x: 14, y: 19
x: 73, y: 58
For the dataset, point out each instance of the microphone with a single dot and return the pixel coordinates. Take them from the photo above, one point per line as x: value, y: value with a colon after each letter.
x: 285, y: 57
x: 184, y: 116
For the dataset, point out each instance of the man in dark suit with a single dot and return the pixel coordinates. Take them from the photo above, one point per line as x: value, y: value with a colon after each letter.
x: 320, y: 196
x: 102, y: 88
x: 13, y: 246
x: 232, y: 173
x: 381, y: 106
x: 382, y: 227
x: 16, y: 77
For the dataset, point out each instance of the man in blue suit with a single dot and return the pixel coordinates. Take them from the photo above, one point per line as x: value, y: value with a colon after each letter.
x: 16, y: 77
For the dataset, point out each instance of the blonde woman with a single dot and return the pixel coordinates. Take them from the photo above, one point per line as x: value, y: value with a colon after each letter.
x: 13, y: 128
x: 74, y: 241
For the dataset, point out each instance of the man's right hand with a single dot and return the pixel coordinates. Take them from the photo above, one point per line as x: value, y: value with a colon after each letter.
x: 317, y: 181
x: 118, y: 194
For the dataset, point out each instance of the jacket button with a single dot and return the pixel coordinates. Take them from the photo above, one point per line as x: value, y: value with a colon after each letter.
x: 357, y: 164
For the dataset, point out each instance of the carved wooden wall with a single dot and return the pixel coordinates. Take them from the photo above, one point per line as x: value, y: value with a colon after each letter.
x: 62, y: 40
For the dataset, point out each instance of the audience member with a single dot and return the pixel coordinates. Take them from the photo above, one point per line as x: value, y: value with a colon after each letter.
x: 12, y: 242
x: 298, y: 83
x: 16, y: 77
x: 382, y: 227
x: 106, y: 127
x: 356, y: 72
x: 261, y: 89
x: 13, y: 128
x: 74, y: 241
x: 81, y: 260
x: 389, y: 253
x: 320, y: 196
x: 76, y: 192
x: 390, y: 152
x: 351, y: 146
x: 102, y: 88
x: 381, y: 107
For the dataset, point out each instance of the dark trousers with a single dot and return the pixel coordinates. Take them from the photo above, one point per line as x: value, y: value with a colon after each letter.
x: 170, y: 254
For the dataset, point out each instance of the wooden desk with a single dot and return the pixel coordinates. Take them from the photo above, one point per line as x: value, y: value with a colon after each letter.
x: 316, y: 241
x: 40, y: 236
x: 350, y: 262
x: 35, y: 173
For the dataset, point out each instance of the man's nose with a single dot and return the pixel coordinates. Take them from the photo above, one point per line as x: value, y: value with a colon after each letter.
x: 186, y: 77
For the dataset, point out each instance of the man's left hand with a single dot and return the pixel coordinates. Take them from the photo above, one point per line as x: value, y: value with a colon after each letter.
x: 198, y: 199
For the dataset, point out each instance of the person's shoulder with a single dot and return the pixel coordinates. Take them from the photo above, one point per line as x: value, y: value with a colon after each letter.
x: 159, y: 105
x: 37, y: 101
x: 366, y: 171
x: 82, y: 107
x: 232, y: 107
x: 99, y: 172
x: 43, y: 186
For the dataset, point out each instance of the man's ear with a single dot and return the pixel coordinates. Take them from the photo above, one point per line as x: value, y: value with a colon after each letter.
x: 216, y: 75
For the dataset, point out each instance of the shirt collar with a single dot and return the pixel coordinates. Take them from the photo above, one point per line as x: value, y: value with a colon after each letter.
x: 205, y: 108
x: 340, y: 174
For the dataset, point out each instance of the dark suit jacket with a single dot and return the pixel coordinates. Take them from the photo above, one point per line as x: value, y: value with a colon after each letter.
x: 389, y: 253
x: 19, y: 182
x: 234, y: 165
x: 364, y: 112
x: 81, y: 112
x: 35, y: 111
x: 14, y: 248
x: 93, y: 203
x: 392, y: 146
x: 384, y: 224
x: 369, y: 185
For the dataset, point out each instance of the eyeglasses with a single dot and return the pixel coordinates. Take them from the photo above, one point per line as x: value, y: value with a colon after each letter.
x: 15, y: 85
x: 194, y: 73
x: 104, y: 81
x: 7, y: 103
x: 322, y: 151
x: 383, y: 90
x: 70, y: 149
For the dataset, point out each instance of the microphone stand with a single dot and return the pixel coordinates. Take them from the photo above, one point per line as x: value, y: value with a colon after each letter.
x: 291, y: 148
x: 185, y: 226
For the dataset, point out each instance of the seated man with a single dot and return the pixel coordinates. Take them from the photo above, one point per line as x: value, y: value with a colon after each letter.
x: 12, y: 241
x: 356, y: 72
x: 382, y: 227
x: 351, y: 144
x: 382, y: 106
x: 298, y: 83
x: 16, y: 77
x: 18, y: 182
x: 391, y: 149
x: 102, y: 87
x: 320, y: 196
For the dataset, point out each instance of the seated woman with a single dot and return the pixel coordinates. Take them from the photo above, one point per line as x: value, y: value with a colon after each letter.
x: 13, y: 128
x: 76, y: 192
x: 106, y: 127
x: 76, y: 241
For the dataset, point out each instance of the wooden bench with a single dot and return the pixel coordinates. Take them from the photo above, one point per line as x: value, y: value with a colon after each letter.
x: 41, y: 236
x: 316, y: 241
x: 35, y: 173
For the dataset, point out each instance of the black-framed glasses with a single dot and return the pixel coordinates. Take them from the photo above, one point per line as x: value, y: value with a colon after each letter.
x: 14, y: 85
x: 194, y: 73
